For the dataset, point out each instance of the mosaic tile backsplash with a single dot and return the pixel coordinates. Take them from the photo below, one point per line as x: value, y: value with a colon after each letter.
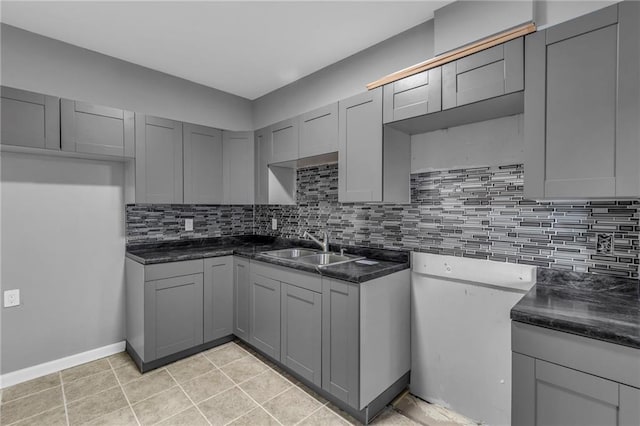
x: 165, y: 222
x: 479, y: 213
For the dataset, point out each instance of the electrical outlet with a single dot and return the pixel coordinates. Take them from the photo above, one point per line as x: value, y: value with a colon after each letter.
x: 188, y: 224
x: 11, y: 298
x: 274, y: 224
x: 604, y: 243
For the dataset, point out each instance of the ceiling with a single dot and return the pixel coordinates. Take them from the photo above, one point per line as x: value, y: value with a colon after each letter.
x: 241, y: 47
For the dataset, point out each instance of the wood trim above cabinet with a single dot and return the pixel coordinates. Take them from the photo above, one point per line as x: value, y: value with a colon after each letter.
x: 456, y: 54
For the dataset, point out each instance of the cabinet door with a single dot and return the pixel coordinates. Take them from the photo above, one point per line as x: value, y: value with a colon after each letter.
x: 238, y: 167
x: 203, y: 162
x: 264, y: 314
x: 569, y: 397
x: 496, y: 71
x: 302, y: 332
x: 581, y: 92
x: 340, y: 340
x: 412, y: 96
x: 262, y: 150
x: 284, y: 141
x: 95, y: 129
x: 360, y: 148
x: 241, y: 281
x: 30, y: 119
x: 173, y: 315
x: 158, y: 160
x: 218, y: 297
x: 629, y: 406
x: 319, y: 131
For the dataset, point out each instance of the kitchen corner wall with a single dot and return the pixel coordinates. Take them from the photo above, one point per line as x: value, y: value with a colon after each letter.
x: 472, y: 212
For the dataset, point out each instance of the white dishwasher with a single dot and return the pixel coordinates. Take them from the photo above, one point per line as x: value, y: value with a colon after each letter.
x: 461, y: 333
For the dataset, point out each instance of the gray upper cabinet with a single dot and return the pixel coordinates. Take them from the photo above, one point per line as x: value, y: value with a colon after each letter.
x: 301, y: 349
x: 341, y: 340
x: 30, y: 119
x: 261, y: 178
x: 582, y: 105
x: 283, y: 141
x: 264, y: 314
x: 218, y: 297
x: 94, y: 129
x: 412, y: 96
x: 158, y: 175
x: 360, y: 148
x: 319, y: 131
x: 241, y: 280
x: 238, y: 167
x: 203, y: 165
x: 493, y: 72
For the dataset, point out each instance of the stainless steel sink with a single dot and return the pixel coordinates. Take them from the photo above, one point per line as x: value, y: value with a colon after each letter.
x: 290, y: 253
x: 311, y: 257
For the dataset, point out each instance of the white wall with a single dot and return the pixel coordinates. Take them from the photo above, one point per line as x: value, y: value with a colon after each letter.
x: 345, y: 78
x: 63, y: 246
x: 41, y: 64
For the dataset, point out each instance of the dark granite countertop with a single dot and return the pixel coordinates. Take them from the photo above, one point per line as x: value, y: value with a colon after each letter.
x: 250, y: 246
x: 594, y: 306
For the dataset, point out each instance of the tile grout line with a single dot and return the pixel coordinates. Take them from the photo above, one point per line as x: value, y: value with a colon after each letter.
x: 31, y: 394
x: 64, y: 398
x: 188, y: 397
x: 113, y: 370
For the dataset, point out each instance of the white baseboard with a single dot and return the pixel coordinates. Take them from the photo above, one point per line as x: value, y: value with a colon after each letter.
x: 29, y: 373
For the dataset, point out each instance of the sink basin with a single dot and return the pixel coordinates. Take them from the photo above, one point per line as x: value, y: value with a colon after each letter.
x: 327, y: 259
x: 290, y: 253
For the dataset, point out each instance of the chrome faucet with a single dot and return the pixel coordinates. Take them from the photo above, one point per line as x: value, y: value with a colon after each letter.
x: 324, y: 243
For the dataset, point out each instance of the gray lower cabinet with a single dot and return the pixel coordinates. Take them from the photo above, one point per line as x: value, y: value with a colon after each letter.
x: 29, y: 119
x: 95, y: 129
x: 241, y: 288
x: 562, y: 379
x: 319, y: 131
x: 159, y: 166
x: 582, y: 102
x: 301, y: 338
x: 264, y: 314
x: 493, y: 72
x: 203, y: 164
x: 340, y: 340
x: 164, y: 307
x: 218, y: 297
x: 412, y: 96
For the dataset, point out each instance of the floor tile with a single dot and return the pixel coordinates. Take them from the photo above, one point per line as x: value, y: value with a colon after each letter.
x: 189, y: 417
x: 426, y: 413
x: 85, y: 370
x: 292, y: 406
x: 324, y: 417
x: 257, y: 416
x: 119, y: 359
x: 343, y: 414
x: 54, y: 417
x: 148, y: 385
x: 186, y: 369
x: 28, y: 406
x: 87, y: 386
x: 96, y: 406
x: 32, y: 386
x: 227, y: 406
x: 243, y: 369
x: 223, y: 355
x: 161, y: 406
x: 390, y: 417
x: 122, y: 417
x: 265, y: 386
x: 207, y: 385
x: 128, y: 372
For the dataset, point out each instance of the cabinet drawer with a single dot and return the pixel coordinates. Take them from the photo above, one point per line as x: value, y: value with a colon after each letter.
x: 173, y: 269
x: 492, y: 72
x: 306, y: 280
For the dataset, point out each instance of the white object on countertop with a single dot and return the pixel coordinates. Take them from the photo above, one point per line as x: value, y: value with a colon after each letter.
x: 461, y: 332
x: 366, y: 262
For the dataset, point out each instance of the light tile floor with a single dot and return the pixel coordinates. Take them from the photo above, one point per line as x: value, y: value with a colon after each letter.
x: 230, y: 384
